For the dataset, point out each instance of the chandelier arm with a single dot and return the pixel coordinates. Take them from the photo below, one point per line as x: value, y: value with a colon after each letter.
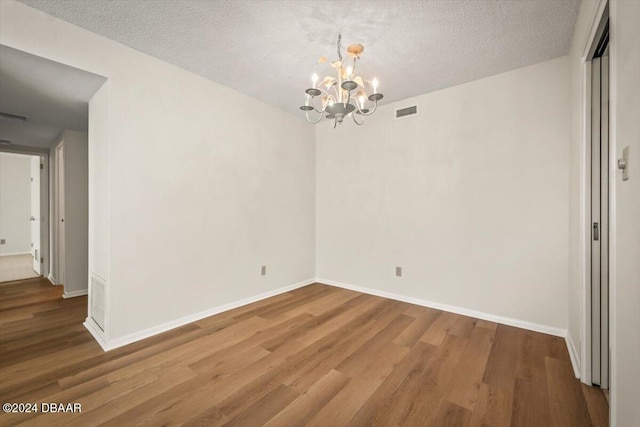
x: 353, y: 116
x: 373, y: 110
x: 329, y: 94
x: 335, y: 122
x: 331, y: 98
x: 316, y: 110
x: 313, y: 104
x: 313, y: 121
x: 356, y: 103
x: 319, y: 111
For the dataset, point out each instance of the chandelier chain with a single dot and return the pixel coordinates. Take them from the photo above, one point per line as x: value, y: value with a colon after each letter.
x: 340, y: 46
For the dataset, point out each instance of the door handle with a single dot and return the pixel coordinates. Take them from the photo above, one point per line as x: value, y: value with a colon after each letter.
x: 596, y: 231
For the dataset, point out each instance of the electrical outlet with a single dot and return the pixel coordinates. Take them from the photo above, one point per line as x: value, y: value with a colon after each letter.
x: 3, y: 241
x: 263, y: 270
x: 399, y: 271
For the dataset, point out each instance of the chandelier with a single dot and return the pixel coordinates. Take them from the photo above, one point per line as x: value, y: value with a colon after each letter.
x: 343, y: 95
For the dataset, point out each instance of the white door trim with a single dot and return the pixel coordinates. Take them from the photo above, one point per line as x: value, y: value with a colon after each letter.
x: 59, y: 249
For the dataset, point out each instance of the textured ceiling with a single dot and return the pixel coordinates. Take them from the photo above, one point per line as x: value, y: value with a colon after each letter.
x: 52, y: 96
x: 268, y: 49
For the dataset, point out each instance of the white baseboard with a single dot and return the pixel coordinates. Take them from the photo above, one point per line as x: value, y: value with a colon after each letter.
x: 96, y: 332
x: 573, y: 355
x: 550, y: 330
x: 73, y: 294
x: 16, y: 253
x: 52, y: 280
x: 108, y: 345
x: 149, y: 332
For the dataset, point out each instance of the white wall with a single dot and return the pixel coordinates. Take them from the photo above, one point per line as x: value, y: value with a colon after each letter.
x: 205, y: 185
x: 625, y: 283
x: 469, y: 197
x: 99, y: 184
x: 15, y: 203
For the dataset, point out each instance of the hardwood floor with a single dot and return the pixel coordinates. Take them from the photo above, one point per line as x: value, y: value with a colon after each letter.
x: 317, y: 356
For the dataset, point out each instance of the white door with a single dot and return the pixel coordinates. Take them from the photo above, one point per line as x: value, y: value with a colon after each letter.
x: 600, y: 221
x: 35, y: 213
x: 60, y: 247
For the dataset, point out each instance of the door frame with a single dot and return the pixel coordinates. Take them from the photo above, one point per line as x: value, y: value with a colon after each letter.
x: 45, y: 212
x: 36, y: 166
x: 600, y: 184
x: 58, y: 196
x: 591, y: 42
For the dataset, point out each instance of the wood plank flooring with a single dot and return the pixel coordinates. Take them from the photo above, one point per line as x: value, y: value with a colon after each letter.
x: 316, y: 356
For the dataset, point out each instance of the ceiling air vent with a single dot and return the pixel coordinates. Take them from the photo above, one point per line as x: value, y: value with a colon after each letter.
x: 406, y: 112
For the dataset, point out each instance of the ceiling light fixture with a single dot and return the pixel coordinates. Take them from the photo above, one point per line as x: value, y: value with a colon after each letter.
x: 13, y: 117
x: 345, y: 95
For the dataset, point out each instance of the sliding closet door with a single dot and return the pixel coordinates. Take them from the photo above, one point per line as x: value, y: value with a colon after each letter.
x: 600, y: 221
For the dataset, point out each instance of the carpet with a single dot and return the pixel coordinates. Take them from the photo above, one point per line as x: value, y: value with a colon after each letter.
x: 16, y: 267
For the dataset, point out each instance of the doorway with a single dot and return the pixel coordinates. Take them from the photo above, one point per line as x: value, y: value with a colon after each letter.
x: 599, y: 210
x: 23, y: 212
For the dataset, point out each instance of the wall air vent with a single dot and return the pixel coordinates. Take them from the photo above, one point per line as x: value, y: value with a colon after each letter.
x: 402, y: 113
x: 98, y: 300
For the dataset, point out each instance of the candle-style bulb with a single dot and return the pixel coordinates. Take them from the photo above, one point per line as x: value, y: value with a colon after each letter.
x: 375, y: 85
x: 349, y: 72
x: 314, y: 79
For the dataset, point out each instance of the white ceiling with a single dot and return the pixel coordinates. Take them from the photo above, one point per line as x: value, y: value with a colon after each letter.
x: 51, y: 95
x: 268, y: 49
